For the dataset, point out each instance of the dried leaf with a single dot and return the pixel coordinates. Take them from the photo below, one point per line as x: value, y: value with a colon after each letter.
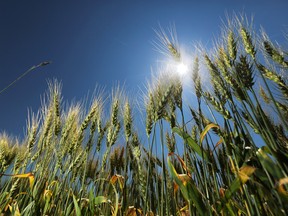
x: 132, y: 211
x: 181, y: 162
x: 219, y: 142
x: 119, y: 179
x: 281, y: 189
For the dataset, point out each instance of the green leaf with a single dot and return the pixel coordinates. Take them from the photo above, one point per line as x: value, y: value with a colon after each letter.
x: 29, y: 209
x: 236, y: 184
x: 77, y: 208
x: 91, y: 203
x: 192, y: 143
x: 100, y: 199
x: 268, y: 163
x: 68, y: 211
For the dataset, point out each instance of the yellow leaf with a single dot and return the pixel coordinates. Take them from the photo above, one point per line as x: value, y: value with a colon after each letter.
x: 30, y: 176
x: 10, y: 208
x: 245, y: 172
x: 184, y: 178
x: 21, y: 193
x: 53, y: 182
x: 25, y: 175
x: 47, y: 194
x: 206, y: 129
x: 219, y: 142
x: 8, y: 204
x: 14, y: 209
x: 31, y: 181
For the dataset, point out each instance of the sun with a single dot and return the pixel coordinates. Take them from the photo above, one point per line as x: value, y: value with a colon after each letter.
x: 182, y: 68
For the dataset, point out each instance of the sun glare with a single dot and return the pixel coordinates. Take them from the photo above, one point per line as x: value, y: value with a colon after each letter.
x: 182, y: 68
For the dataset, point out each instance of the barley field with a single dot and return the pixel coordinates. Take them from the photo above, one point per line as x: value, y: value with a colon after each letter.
x: 222, y: 152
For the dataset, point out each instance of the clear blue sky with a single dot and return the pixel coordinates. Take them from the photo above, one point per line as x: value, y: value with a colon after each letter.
x: 101, y: 42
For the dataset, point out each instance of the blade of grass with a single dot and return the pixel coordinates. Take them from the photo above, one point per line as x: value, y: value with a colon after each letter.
x: 192, y: 143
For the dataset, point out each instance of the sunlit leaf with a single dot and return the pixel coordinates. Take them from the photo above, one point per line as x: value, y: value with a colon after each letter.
x: 192, y: 143
x: 219, y: 142
x: 47, y: 194
x: 245, y: 172
x: 31, y: 181
x: 14, y: 209
x: 30, y: 176
x: 206, y: 129
x: 26, y: 175
x: 21, y: 193
x: 53, y: 183
x: 8, y: 202
x: 100, y: 199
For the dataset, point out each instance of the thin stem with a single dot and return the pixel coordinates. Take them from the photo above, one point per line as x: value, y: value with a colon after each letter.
x: 24, y: 74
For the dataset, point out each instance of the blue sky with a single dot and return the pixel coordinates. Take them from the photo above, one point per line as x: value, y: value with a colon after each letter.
x: 102, y: 42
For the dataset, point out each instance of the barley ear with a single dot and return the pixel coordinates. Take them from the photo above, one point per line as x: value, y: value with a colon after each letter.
x: 170, y: 141
x: 178, y: 89
x: 275, y: 54
x: 244, y: 71
x: 247, y: 42
x: 150, y: 110
x: 232, y: 46
x: 196, y: 78
x: 273, y: 76
x: 127, y: 120
x: 217, y: 105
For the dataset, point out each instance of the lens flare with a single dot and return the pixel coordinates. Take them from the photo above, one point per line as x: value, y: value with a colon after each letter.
x: 182, y: 68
